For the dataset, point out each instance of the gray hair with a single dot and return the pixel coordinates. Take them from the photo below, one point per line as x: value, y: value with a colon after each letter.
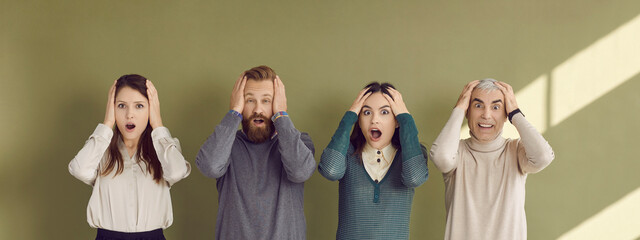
x: 487, y: 84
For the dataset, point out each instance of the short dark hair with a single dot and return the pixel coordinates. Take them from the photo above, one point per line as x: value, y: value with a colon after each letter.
x: 357, y: 138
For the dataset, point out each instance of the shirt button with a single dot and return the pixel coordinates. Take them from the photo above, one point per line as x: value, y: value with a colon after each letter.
x: 378, y: 152
x: 376, y: 182
x: 378, y: 159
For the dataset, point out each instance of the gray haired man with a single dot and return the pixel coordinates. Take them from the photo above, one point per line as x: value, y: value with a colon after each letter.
x: 485, y: 174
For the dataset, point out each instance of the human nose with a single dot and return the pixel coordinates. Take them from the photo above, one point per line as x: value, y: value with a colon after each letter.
x: 486, y: 113
x: 129, y: 114
x: 375, y: 118
x: 258, y: 109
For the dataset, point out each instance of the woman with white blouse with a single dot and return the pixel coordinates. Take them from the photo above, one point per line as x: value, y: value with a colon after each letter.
x: 132, y: 166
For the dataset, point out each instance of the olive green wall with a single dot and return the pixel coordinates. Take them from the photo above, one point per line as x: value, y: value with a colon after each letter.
x: 58, y: 59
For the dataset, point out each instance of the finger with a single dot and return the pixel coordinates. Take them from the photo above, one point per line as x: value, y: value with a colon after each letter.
x: 280, y: 84
x: 362, y: 93
x: 243, y: 82
x: 239, y: 81
x: 473, y: 84
x: 502, y: 88
x: 390, y: 96
x: 365, y: 97
x: 389, y: 99
x: 394, y: 93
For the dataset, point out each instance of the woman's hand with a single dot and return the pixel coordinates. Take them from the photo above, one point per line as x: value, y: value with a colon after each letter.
x: 397, y: 104
x: 357, y: 104
x: 154, y: 106
x: 110, y: 115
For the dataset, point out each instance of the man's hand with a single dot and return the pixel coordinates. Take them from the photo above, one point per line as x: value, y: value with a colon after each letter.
x: 465, y: 96
x: 110, y: 115
x: 237, y: 94
x: 279, y: 97
x: 397, y: 104
x: 357, y: 104
x: 509, y: 98
x: 154, y: 106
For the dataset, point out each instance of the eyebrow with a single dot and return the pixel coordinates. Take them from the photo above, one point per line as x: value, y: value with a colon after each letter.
x: 367, y: 106
x: 266, y: 94
x: 120, y: 101
x: 494, y: 101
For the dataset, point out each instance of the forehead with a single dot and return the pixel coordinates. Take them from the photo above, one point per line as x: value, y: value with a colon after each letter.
x: 258, y: 88
x: 128, y: 94
x: 376, y: 100
x: 487, y: 96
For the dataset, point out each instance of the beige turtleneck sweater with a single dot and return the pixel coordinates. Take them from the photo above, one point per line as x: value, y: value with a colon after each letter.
x: 485, y: 182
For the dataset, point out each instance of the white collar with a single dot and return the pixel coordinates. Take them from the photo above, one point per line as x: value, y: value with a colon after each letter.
x: 371, y: 154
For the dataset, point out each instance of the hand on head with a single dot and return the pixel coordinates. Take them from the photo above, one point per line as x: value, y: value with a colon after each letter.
x: 154, y: 105
x: 465, y: 96
x: 395, y: 101
x: 237, y: 94
x: 110, y: 115
x: 279, y: 96
x: 357, y: 104
x: 509, y: 97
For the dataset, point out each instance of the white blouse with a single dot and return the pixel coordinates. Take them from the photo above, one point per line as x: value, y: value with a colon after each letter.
x: 377, y: 162
x: 131, y: 201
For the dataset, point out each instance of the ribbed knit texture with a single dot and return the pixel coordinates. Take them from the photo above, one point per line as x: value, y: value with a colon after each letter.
x: 369, y: 210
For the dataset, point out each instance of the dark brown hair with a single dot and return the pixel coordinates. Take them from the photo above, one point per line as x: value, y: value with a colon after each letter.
x: 357, y: 138
x: 145, y: 151
x: 260, y: 73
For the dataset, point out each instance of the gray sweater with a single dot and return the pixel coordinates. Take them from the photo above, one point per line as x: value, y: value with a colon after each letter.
x: 260, y: 186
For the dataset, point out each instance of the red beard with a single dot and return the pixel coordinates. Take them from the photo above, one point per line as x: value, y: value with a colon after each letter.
x: 257, y: 134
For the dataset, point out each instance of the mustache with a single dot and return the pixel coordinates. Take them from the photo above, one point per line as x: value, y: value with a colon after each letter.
x: 256, y: 115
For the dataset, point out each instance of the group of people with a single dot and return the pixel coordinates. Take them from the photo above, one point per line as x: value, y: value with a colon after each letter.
x: 260, y: 170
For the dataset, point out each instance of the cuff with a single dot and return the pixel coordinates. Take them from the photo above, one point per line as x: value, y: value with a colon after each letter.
x: 103, y: 131
x: 279, y: 115
x: 404, y: 119
x: 160, y: 132
x: 350, y: 117
x: 234, y: 112
x: 231, y: 119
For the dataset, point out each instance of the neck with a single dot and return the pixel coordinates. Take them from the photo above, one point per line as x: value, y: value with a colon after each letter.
x: 369, y: 146
x: 131, y: 145
x: 486, y: 146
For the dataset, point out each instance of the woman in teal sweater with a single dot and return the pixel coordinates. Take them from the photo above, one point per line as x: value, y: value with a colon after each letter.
x: 378, y: 166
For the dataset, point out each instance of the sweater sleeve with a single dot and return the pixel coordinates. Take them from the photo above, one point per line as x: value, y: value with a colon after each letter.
x: 414, y: 155
x: 333, y: 160
x: 444, y: 151
x: 296, y: 151
x: 174, y: 166
x: 84, y: 166
x: 214, y: 155
x: 534, y: 152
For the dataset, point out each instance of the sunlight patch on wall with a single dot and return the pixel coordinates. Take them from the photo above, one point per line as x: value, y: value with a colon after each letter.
x: 595, y: 71
x: 617, y: 221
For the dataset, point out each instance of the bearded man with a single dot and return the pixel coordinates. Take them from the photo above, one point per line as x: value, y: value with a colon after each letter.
x: 260, y: 170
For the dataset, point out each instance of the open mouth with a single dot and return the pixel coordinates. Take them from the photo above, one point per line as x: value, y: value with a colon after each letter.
x: 483, y: 125
x: 258, y: 121
x: 375, y: 134
x: 130, y: 126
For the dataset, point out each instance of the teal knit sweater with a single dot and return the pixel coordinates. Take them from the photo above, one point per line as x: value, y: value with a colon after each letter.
x: 369, y: 210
